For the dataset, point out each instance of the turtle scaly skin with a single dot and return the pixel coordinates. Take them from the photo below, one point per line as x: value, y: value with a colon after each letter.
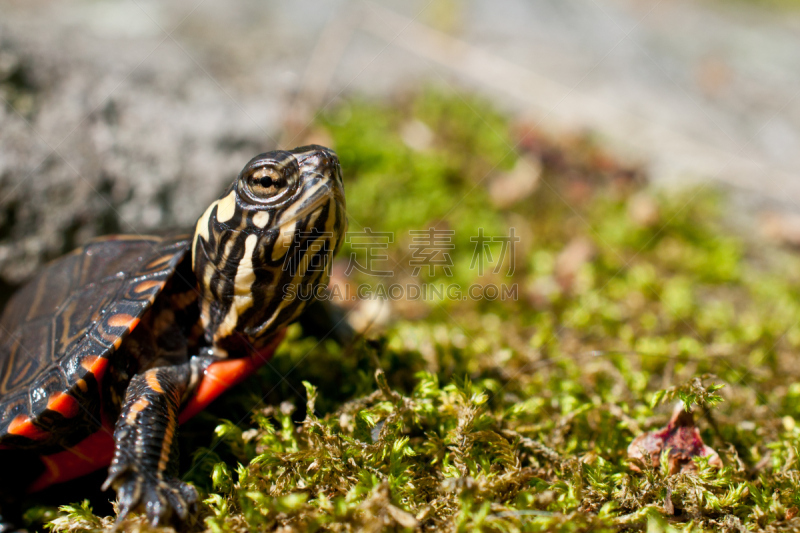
x: 106, y: 350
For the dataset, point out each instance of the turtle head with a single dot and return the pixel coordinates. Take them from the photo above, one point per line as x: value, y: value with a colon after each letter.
x: 265, y: 247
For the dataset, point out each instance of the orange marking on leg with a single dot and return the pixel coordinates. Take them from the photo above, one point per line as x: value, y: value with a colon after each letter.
x: 121, y: 320
x: 138, y: 406
x: 83, y: 385
x: 151, y: 376
x: 22, y: 425
x: 166, y: 444
x: 147, y: 285
x: 63, y: 403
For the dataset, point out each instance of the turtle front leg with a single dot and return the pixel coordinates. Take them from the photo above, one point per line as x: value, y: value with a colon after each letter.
x: 145, y: 465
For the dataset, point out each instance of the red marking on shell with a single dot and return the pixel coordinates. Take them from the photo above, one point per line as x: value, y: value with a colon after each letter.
x: 97, y: 450
x: 122, y: 320
x: 96, y: 365
x: 63, y: 403
x: 222, y: 375
x: 23, y: 426
x: 92, y: 453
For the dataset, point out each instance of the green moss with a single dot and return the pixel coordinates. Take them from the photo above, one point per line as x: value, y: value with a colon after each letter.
x: 516, y: 415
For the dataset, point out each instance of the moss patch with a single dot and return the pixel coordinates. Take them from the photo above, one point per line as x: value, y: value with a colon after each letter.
x: 515, y: 415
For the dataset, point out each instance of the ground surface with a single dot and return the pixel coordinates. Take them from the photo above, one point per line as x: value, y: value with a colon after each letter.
x: 515, y: 413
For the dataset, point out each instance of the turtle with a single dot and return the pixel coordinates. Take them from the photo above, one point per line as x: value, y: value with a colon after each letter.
x: 108, y: 349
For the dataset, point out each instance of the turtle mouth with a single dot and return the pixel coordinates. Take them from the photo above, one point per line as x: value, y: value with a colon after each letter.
x: 313, y: 197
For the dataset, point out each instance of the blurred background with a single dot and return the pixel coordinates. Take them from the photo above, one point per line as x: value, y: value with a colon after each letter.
x: 130, y: 116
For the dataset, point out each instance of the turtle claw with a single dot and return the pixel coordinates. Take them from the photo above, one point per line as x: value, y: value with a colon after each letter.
x: 162, y: 501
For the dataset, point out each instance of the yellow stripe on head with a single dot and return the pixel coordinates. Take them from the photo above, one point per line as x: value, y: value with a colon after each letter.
x: 226, y: 208
x: 201, y: 229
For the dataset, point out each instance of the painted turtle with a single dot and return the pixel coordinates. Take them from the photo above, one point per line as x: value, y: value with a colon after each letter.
x: 108, y: 349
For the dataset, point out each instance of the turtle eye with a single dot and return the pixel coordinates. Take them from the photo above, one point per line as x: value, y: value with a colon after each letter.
x: 268, y: 184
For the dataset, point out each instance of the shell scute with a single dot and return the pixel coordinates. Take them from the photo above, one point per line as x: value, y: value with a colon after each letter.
x: 23, y: 426
x: 57, y: 332
x: 50, y: 382
x: 12, y: 407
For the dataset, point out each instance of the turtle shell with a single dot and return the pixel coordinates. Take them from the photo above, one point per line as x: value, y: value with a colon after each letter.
x: 58, y: 331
